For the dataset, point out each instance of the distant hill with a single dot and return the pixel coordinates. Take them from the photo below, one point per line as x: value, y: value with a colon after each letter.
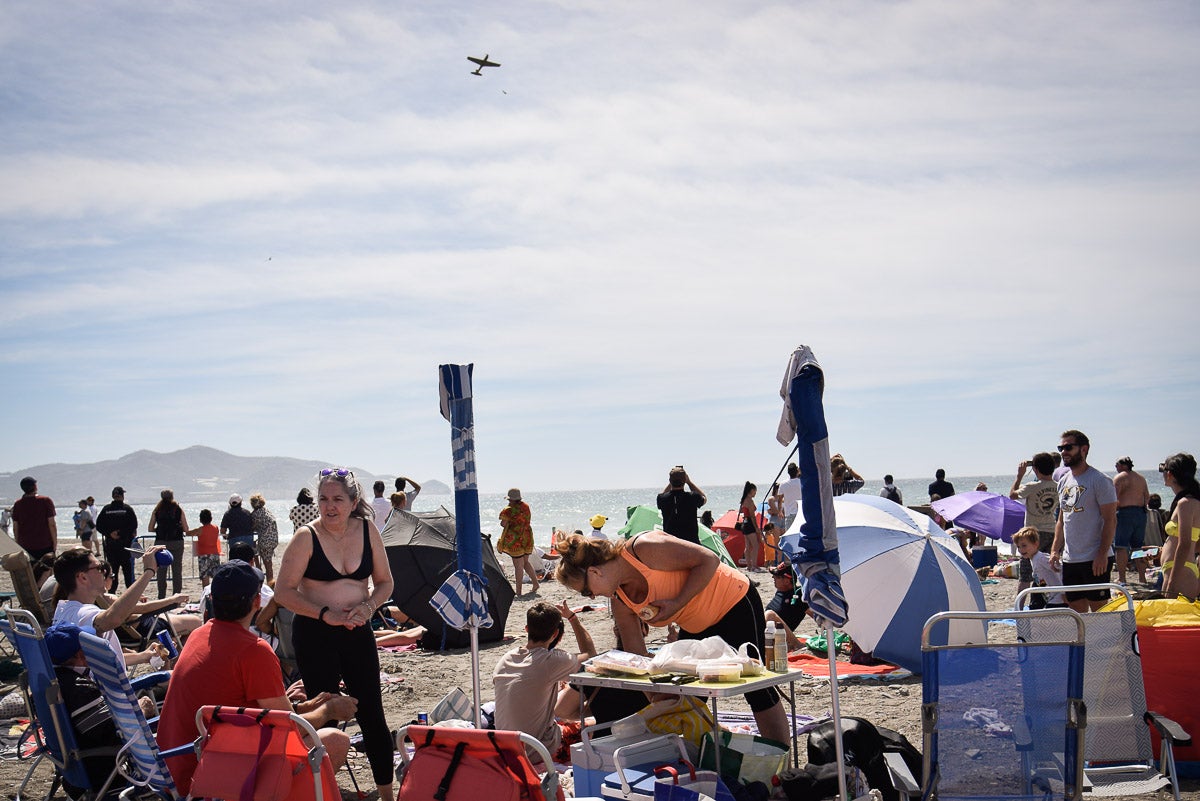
x: 197, y: 474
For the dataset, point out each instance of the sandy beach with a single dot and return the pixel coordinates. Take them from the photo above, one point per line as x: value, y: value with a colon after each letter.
x: 418, y: 679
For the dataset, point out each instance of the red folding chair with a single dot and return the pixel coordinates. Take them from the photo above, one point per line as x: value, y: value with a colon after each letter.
x: 260, y: 755
x: 453, y: 764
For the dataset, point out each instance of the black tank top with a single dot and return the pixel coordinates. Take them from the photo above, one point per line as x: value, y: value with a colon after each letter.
x: 167, y: 526
x: 319, y: 567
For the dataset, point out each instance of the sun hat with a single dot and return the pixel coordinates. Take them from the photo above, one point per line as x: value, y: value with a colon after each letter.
x: 236, y: 579
x: 598, y: 521
x: 514, y: 494
x: 62, y: 640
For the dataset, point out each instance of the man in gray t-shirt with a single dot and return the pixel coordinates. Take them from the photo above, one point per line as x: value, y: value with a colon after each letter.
x: 1087, y: 522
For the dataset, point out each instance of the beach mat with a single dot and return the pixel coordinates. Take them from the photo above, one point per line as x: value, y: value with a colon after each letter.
x: 818, y: 666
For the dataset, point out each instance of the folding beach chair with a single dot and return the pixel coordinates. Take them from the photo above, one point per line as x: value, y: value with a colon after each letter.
x: 452, y: 764
x: 139, y: 761
x: 21, y: 573
x: 1002, y: 719
x: 50, y: 720
x: 1118, y: 754
x: 260, y: 755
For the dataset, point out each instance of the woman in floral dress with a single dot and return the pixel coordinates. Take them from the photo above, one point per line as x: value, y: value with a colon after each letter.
x: 517, y: 538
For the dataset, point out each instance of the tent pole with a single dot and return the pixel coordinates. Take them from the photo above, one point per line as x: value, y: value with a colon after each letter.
x: 831, y: 652
x: 475, y: 674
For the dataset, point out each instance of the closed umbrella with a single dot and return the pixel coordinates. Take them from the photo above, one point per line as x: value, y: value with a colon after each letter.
x: 898, y: 570
x: 986, y: 513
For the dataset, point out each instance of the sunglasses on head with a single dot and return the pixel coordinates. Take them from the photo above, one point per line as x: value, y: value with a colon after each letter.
x: 340, y: 472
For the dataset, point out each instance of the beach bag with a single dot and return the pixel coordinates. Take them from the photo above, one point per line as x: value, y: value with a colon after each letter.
x: 685, y: 716
x: 455, y: 705
x: 864, y: 745
x: 748, y: 756
x: 696, y: 785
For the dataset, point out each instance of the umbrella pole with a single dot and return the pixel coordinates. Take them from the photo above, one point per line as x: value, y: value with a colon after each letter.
x: 475, y: 674
x: 831, y: 652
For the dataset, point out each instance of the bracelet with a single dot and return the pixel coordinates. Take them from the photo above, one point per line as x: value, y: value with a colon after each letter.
x: 151, y: 570
x: 572, y: 617
x: 321, y: 614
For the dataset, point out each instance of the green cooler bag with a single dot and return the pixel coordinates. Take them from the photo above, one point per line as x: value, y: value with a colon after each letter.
x: 749, y: 757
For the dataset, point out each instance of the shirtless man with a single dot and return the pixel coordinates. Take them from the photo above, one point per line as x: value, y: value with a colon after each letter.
x: 1133, y: 494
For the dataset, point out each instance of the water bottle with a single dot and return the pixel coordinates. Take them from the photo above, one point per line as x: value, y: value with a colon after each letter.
x: 781, y: 651
x: 769, y: 646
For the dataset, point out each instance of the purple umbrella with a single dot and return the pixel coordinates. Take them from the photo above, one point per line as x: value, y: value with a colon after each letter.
x: 984, y: 513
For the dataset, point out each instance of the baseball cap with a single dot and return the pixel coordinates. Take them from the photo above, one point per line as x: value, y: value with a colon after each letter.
x: 783, y: 569
x: 236, y: 579
x: 118, y: 491
x: 62, y: 641
x: 235, y: 500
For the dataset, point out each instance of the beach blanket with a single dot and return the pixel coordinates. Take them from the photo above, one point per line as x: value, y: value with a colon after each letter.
x: 744, y: 723
x: 814, y: 665
x: 399, y: 649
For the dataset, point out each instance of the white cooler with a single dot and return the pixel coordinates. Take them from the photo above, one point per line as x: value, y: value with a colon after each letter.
x: 595, y: 757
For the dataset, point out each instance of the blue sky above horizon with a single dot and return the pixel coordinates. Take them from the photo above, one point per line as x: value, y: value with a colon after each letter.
x: 262, y: 227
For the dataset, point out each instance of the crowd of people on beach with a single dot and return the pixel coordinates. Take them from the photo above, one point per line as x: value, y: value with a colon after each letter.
x: 334, y: 577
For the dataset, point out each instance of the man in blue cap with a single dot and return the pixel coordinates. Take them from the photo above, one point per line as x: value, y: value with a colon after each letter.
x: 224, y: 663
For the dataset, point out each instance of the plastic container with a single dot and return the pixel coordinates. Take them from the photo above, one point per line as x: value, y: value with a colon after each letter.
x: 715, y: 670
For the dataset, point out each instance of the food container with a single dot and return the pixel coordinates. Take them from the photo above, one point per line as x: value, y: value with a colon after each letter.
x: 717, y: 670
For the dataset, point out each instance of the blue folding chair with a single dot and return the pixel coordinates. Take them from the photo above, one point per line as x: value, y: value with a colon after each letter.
x: 50, y: 720
x: 139, y: 761
x: 1002, y: 718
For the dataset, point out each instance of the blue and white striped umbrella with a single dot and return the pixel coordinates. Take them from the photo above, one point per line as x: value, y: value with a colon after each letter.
x: 462, y: 598
x: 899, y: 569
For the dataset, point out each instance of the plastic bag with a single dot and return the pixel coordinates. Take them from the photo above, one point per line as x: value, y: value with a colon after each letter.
x: 685, y: 716
x: 685, y: 656
x: 819, y: 644
x: 697, y: 785
x: 622, y: 662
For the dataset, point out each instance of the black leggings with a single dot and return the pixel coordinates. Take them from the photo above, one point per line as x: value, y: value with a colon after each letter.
x: 745, y: 622
x: 328, y: 655
x: 120, y: 561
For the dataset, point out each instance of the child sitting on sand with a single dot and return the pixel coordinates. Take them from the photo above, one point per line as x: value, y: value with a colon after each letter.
x: 1044, y: 574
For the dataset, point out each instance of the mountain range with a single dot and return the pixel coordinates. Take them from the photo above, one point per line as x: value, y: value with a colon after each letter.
x: 196, y: 474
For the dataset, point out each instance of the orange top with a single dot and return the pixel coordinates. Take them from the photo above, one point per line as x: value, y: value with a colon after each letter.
x: 727, y: 587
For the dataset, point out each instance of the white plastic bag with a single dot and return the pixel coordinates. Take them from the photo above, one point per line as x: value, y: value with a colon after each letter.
x: 685, y: 656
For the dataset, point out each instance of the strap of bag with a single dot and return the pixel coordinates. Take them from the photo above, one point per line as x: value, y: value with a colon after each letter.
x: 444, y: 784
x: 264, y: 739
x: 511, y: 763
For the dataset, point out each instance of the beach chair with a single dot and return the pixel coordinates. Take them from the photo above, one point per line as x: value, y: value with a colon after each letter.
x: 260, y: 755
x: 1001, y: 718
x: 139, y: 761
x: 455, y: 764
x: 26, y: 589
x: 1118, y: 753
x: 284, y: 619
x: 50, y: 719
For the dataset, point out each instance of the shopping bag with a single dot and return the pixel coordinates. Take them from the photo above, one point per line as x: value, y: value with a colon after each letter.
x: 696, y: 785
x: 749, y: 757
x: 455, y: 705
x: 685, y: 716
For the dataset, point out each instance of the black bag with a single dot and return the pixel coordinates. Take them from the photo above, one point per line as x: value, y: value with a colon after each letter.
x: 864, y: 745
x: 893, y: 494
x: 810, y: 783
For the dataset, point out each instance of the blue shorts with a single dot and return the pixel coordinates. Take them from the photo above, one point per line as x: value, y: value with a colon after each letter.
x: 1131, y: 528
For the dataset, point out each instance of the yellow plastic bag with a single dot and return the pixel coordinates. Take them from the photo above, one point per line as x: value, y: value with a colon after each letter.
x: 686, y: 716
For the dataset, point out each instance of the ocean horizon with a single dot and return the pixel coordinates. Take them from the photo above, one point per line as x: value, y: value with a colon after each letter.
x: 572, y: 509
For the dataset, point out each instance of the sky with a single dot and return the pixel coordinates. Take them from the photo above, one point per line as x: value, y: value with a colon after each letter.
x: 262, y: 226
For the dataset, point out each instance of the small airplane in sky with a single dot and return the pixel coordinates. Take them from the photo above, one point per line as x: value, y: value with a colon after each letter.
x: 482, y: 62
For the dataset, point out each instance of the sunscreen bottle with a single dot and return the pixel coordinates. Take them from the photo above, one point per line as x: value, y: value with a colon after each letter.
x: 768, y: 656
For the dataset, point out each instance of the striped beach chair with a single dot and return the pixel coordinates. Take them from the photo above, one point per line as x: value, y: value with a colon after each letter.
x: 139, y: 761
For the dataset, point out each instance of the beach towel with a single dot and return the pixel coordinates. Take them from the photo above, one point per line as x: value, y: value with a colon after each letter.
x: 814, y: 665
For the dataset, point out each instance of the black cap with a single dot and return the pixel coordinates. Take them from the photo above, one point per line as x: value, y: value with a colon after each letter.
x: 118, y: 491
x: 236, y: 579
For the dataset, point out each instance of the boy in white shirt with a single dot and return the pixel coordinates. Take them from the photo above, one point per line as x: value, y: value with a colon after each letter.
x: 1044, y: 573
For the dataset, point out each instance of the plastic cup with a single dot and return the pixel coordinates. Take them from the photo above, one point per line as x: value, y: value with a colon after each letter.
x: 163, y: 558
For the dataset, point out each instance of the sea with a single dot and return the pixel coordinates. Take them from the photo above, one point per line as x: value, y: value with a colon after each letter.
x: 570, y: 510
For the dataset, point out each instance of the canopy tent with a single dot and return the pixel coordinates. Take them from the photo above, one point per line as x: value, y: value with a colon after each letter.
x: 644, y: 518
x: 422, y: 552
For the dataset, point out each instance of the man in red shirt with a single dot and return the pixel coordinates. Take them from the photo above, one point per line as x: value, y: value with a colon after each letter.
x: 224, y: 663
x: 34, y: 527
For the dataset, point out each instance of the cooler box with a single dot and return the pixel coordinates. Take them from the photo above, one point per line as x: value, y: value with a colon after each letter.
x: 984, y: 556
x: 594, y: 758
x: 633, y: 778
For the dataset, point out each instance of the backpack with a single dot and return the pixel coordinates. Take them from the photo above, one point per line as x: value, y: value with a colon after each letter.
x: 864, y: 745
x: 893, y: 494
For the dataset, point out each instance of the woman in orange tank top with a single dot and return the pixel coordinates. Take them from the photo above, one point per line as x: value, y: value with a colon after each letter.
x: 662, y: 579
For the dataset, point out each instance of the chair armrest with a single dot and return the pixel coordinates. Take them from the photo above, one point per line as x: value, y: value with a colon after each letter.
x: 1168, y: 729
x: 179, y: 750
x: 902, y: 779
x: 1022, y: 737
x: 150, y: 680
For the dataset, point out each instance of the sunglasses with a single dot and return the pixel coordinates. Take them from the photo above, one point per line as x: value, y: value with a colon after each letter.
x: 1067, y: 448
x: 340, y: 472
x: 104, y: 569
x: 586, y: 591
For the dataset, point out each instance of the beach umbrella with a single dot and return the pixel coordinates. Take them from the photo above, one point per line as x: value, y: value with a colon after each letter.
x: 899, y: 569
x: 645, y: 518
x: 987, y: 513
x: 462, y: 599
x: 733, y: 538
x: 813, y: 548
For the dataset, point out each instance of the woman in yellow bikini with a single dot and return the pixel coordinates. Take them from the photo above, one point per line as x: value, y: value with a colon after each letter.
x: 1181, y: 576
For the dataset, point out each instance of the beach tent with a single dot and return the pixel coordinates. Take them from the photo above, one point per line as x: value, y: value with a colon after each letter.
x: 1168, y: 632
x: 644, y: 518
x: 735, y: 541
x: 422, y: 553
